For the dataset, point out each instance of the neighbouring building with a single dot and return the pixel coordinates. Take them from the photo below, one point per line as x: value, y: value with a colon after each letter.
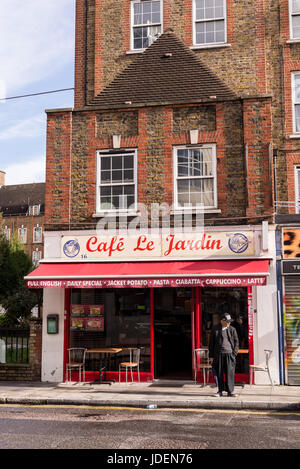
x: 177, y: 115
x: 23, y: 209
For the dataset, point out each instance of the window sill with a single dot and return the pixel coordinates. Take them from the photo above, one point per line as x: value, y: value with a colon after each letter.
x: 132, y: 52
x: 116, y: 213
x: 195, y: 210
x: 293, y: 41
x: 210, y: 46
x: 295, y: 136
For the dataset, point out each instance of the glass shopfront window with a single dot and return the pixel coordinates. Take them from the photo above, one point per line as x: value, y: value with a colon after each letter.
x: 216, y: 302
x: 111, y: 318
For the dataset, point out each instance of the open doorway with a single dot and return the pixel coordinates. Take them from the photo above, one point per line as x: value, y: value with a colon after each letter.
x: 173, y: 333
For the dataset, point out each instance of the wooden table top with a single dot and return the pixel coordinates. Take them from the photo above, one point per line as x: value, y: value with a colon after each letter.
x: 104, y: 350
x: 243, y: 350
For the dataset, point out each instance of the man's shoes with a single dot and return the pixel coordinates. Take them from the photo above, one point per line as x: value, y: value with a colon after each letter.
x: 231, y: 394
x: 218, y: 394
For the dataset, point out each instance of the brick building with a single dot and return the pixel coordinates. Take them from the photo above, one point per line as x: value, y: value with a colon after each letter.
x: 22, y: 207
x: 178, y: 104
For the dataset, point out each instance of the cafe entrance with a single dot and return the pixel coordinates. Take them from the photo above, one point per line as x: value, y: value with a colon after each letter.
x: 183, y: 320
x: 173, y: 333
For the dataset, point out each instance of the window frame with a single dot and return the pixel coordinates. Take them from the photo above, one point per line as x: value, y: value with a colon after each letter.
x: 34, y: 210
x: 297, y: 191
x: 7, y: 232
x: 36, y: 262
x: 294, y: 103
x: 195, y: 21
x: 213, y: 148
x: 291, y: 14
x: 34, y: 240
x: 24, y: 228
x: 101, y: 153
x: 133, y: 26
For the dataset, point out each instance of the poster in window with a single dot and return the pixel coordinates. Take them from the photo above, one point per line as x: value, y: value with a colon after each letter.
x: 95, y: 324
x: 77, y: 310
x: 96, y: 310
x: 77, y: 324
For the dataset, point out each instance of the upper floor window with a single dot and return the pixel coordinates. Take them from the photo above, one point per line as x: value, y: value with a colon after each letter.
x: 295, y: 18
x: 195, y: 177
x: 37, y: 234
x: 209, y: 21
x: 117, y: 181
x: 34, y: 210
x: 36, y: 257
x: 146, y: 23
x: 22, y: 232
x: 296, y: 101
x: 6, y: 232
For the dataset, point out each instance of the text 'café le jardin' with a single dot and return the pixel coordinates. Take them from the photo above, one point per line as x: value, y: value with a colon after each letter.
x: 158, y: 245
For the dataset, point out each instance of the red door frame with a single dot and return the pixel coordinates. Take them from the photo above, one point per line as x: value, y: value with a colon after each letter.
x: 66, y: 329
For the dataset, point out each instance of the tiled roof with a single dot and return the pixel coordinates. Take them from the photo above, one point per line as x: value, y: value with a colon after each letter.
x: 168, y: 71
x: 16, y: 199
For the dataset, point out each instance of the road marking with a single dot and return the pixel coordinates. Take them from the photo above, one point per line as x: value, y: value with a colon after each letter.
x: 161, y: 409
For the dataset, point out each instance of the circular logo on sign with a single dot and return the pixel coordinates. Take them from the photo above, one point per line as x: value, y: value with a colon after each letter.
x: 238, y: 243
x: 71, y: 248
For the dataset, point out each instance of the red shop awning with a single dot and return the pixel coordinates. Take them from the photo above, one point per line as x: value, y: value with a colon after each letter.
x: 149, y: 274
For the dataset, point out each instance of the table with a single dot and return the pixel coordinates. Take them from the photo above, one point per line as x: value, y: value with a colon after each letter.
x: 243, y: 350
x: 102, y: 352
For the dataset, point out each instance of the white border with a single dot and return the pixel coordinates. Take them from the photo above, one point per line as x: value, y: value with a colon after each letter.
x: 132, y: 2
x: 200, y: 146
x: 296, y: 182
x: 120, y: 151
x: 293, y: 74
x: 209, y: 44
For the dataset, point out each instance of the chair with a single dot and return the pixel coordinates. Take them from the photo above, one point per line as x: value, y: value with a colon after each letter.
x: 133, y: 363
x: 76, y: 361
x: 264, y: 368
x: 201, y: 362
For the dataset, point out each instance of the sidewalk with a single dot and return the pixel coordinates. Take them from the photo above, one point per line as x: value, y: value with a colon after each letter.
x: 170, y: 394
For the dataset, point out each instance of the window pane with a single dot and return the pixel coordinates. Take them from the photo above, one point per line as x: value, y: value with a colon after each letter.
x: 297, y: 117
x: 202, y: 192
x: 183, y: 199
x: 128, y: 162
x: 129, y: 190
x: 297, y: 88
x: 137, y: 9
x: 183, y: 185
x: 128, y: 176
x: 105, y: 176
x: 105, y: 162
x: 105, y: 190
x: 140, y: 37
x: 296, y: 6
x: 117, y: 162
x: 130, y: 201
x: 296, y: 26
x: 117, y: 176
x: 117, y: 190
x: 211, y: 31
x: 105, y: 203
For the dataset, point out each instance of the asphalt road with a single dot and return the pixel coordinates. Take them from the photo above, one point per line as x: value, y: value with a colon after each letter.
x: 38, y: 427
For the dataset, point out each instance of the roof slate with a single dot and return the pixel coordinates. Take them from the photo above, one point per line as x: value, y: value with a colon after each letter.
x: 16, y: 199
x: 168, y: 71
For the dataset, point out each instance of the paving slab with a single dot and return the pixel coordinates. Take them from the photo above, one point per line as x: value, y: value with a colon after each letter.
x: 160, y: 394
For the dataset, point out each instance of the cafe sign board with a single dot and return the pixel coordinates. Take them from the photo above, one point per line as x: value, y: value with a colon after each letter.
x: 162, y: 246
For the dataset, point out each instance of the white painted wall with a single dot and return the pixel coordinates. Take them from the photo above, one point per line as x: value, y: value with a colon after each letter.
x: 53, y: 344
x: 266, y: 320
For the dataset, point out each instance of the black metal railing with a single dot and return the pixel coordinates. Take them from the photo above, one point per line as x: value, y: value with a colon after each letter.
x: 14, y: 345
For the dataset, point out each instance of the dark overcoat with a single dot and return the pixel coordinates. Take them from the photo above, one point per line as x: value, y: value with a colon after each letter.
x: 216, y: 339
